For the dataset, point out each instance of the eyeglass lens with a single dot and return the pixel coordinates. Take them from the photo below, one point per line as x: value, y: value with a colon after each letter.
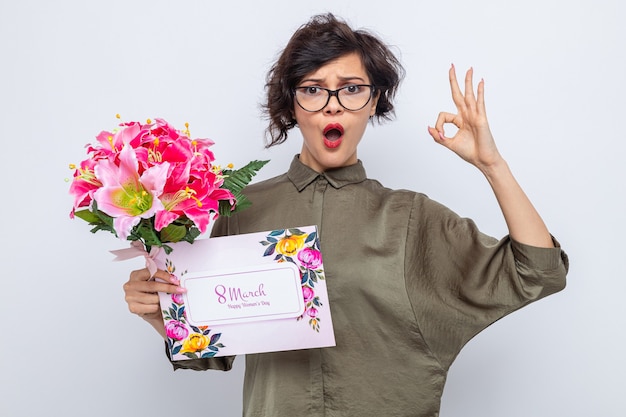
x: 351, y: 97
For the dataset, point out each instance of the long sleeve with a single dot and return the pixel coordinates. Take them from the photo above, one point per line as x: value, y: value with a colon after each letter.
x: 461, y: 281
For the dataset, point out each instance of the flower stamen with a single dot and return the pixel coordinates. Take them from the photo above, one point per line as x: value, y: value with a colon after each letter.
x: 110, y: 139
x: 181, y: 196
x: 141, y: 200
x: 89, y: 176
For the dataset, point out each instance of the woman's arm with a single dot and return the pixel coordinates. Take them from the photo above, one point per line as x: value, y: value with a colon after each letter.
x: 474, y: 143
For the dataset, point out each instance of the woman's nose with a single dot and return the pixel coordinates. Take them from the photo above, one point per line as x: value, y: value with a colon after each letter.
x: 333, y: 106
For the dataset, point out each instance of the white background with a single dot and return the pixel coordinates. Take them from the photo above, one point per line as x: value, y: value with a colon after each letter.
x: 555, y: 89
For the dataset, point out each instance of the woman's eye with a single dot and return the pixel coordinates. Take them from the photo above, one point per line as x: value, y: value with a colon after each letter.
x: 352, y: 89
x: 312, y: 90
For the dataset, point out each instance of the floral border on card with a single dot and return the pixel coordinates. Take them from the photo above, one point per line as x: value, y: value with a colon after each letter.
x: 303, y: 250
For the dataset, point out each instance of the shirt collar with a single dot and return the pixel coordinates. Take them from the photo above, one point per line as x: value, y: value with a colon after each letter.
x: 301, y: 175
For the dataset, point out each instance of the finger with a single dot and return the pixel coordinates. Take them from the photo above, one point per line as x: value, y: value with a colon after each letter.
x: 480, y: 100
x: 144, y: 275
x: 166, y: 277
x: 144, y: 298
x: 143, y: 307
x: 457, y: 95
x: 140, y: 301
x: 436, y: 135
x: 470, y: 99
x: 152, y: 287
x: 442, y: 119
x: 140, y: 275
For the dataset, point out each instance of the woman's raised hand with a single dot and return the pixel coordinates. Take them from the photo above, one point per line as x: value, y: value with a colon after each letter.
x: 473, y: 141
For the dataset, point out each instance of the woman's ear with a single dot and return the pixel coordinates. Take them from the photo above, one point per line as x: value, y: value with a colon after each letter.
x: 374, y: 103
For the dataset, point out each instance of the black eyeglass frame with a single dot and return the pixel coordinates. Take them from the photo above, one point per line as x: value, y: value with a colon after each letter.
x: 336, y: 94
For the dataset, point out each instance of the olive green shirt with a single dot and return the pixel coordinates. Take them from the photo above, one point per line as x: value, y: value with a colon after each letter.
x: 409, y: 283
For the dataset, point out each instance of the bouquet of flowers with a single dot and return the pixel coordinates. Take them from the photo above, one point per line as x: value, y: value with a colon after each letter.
x: 152, y: 184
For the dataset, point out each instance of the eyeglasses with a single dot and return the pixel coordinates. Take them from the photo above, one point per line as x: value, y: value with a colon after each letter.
x: 352, y: 97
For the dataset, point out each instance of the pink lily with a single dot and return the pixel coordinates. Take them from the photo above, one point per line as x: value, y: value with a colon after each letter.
x: 110, y: 144
x: 84, y: 185
x: 125, y: 195
x: 195, y: 199
x: 209, y: 204
x: 202, y: 157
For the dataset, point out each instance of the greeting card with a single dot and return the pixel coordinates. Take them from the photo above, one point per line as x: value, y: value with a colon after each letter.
x: 249, y: 293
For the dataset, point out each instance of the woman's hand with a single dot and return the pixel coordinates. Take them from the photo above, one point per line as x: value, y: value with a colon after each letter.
x: 142, y: 298
x: 473, y: 141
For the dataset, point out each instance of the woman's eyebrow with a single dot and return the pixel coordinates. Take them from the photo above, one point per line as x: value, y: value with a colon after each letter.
x: 343, y: 79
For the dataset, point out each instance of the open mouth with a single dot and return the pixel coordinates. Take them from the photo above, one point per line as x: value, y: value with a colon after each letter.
x: 333, y: 135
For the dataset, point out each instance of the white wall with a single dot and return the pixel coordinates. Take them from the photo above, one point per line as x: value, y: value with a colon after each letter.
x: 555, y: 78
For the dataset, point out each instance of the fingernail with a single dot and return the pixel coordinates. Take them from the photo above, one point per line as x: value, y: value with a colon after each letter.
x: 174, y: 279
x: 181, y: 290
x: 441, y: 136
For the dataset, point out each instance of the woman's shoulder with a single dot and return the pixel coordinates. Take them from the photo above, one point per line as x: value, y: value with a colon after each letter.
x: 267, y: 184
x: 376, y: 187
x: 420, y: 203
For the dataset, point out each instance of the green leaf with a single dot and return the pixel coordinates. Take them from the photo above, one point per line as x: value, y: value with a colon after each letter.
x: 191, y: 235
x: 105, y: 218
x: 236, y: 181
x: 146, y: 233
x: 103, y: 227
x: 87, y: 216
x: 173, y: 233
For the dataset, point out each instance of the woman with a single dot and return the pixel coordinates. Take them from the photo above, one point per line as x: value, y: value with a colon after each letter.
x: 409, y: 281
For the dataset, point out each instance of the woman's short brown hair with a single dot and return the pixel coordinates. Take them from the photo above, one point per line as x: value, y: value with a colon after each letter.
x: 323, y: 39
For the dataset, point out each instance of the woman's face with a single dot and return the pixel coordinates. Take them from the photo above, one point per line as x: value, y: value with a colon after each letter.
x: 332, y: 134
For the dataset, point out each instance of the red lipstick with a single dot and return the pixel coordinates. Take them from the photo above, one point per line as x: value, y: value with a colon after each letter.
x: 333, y: 135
